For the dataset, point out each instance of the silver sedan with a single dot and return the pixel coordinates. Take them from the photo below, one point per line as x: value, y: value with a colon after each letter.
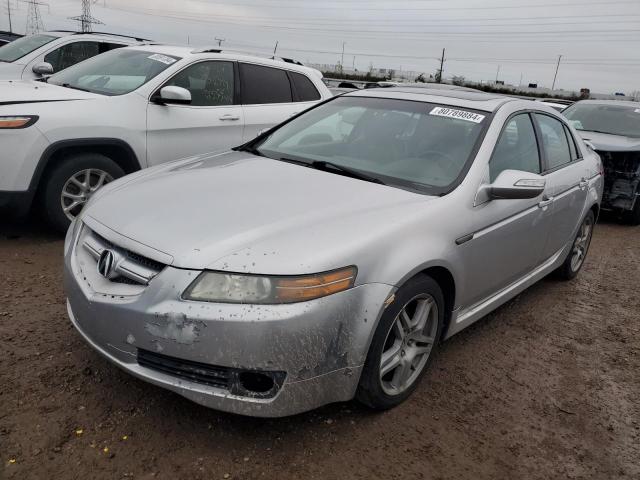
x: 329, y: 258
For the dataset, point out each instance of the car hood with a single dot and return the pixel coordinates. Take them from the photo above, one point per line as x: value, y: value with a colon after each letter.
x: 239, y: 212
x: 28, y: 91
x: 611, y: 143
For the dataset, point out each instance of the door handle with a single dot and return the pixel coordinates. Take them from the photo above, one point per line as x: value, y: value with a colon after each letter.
x: 229, y: 117
x: 546, y: 201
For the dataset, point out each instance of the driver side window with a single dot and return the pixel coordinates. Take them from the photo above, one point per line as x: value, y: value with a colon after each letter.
x: 210, y: 83
x: 516, y: 149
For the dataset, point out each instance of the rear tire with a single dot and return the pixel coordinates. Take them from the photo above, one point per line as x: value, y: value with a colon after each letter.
x: 71, y: 183
x: 403, y: 346
x: 579, y: 249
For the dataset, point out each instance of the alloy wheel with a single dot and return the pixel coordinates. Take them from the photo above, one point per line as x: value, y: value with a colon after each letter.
x: 78, y: 189
x: 581, y: 244
x: 408, y: 344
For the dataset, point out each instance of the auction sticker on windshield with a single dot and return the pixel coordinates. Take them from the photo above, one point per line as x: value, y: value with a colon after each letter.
x: 162, y: 58
x: 459, y: 114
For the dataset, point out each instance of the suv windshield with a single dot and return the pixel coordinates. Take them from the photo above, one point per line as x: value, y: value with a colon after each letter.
x: 114, y: 73
x: 17, y: 49
x: 414, y: 145
x: 605, y: 118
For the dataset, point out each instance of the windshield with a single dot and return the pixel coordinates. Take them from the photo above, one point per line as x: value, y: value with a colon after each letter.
x: 114, y: 73
x: 17, y: 49
x: 605, y: 118
x: 415, y: 145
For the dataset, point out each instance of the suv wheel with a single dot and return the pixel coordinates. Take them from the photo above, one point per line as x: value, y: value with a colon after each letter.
x: 72, y: 183
x: 403, y: 345
x: 575, y: 260
x: 633, y: 216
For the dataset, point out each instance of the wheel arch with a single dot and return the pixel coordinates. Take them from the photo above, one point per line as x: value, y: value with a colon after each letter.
x: 117, y: 150
x: 444, y: 277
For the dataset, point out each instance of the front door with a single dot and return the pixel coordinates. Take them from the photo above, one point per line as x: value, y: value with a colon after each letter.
x: 508, y: 235
x: 212, y: 122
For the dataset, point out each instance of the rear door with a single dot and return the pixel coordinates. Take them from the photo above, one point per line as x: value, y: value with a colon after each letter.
x: 566, y: 178
x: 268, y: 97
x: 212, y: 122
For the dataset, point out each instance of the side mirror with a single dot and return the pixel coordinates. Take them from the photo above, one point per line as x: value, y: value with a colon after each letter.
x: 43, y: 68
x: 516, y: 184
x: 173, y: 95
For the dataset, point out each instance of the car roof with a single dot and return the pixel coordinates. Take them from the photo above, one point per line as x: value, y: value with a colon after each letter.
x: 472, y: 99
x: 186, y: 51
x: 115, y: 36
x: 626, y: 103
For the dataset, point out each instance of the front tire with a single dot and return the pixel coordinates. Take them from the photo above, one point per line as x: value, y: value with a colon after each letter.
x: 403, y: 345
x: 633, y: 216
x: 579, y: 249
x: 71, y: 183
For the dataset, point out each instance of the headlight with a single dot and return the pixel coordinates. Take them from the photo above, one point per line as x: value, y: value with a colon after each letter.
x: 238, y: 288
x: 21, y: 121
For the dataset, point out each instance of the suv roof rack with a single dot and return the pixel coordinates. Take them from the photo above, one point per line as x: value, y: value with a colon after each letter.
x: 75, y: 32
x: 245, y: 52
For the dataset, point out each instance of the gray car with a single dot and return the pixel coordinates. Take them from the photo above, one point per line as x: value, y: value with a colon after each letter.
x: 612, y: 127
x: 328, y: 258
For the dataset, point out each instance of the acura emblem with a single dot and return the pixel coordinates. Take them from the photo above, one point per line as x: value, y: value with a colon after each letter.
x: 106, y: 263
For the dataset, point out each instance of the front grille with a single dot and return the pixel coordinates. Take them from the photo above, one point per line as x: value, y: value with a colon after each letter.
x: 194, y: 371
x: 130, y: 268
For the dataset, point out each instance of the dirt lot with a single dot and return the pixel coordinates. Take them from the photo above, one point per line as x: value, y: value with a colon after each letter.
x: 547, y: 387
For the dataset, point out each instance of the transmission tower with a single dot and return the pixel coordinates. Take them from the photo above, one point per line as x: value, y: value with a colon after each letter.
x: 86, y: 20
x: 34, y: 19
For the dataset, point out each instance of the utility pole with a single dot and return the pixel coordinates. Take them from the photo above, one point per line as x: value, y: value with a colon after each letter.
x: 520, y: 84
x: 342, y: 59
x: 86, y: 20
x: 220, y: 40
x: 34, y: 19
x: 9, y: 13
x: 553, y: 87
x: 275, y: 49
x: 497, y: 73
x: 441, y: 67
x: 353, y: 66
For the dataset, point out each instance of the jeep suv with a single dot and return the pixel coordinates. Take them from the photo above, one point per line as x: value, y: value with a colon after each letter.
x: 35, y: 56
x: 133, y: 108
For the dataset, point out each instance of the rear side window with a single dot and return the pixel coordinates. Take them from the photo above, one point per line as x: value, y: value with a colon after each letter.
x: 516, y: 149
x: 572, y: 144
x: 305, y: 89
x: 554, y: 140
x: 264, y: 85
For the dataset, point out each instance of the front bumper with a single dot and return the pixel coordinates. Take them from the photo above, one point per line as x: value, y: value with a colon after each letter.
x: 321, y: 345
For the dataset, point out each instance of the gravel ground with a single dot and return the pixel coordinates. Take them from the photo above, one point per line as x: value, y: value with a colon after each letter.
x: 546, y: 387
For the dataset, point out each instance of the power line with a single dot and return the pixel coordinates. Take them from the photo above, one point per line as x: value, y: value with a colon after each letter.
x: 34, y: 18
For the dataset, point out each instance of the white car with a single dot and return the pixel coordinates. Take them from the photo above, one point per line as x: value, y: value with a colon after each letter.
x: 35, y: 56
x: 133, y: 108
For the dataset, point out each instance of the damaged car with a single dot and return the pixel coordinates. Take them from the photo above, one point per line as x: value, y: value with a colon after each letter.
x: 612, y: 127
x: 329, y: 257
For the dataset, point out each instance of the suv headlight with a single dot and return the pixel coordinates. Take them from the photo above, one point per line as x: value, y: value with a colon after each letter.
x: 17, y: 121
x: 223, y: 287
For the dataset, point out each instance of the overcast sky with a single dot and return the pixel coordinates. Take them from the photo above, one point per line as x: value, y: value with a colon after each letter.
x: 599, y: 40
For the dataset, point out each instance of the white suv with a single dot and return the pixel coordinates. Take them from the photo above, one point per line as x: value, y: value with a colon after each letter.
x: 45, y: 53
x: 133, y: 108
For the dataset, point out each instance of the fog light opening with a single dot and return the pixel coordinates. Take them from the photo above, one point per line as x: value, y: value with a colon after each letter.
x: 255, y: 382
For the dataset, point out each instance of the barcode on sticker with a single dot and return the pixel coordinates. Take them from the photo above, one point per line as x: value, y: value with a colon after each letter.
x: 459, y: 114
x: 162, y: 58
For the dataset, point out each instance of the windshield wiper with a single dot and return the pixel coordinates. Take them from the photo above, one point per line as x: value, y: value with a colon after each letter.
x: 599, y: 131
x: 68, y: 85
x: 328, y: 166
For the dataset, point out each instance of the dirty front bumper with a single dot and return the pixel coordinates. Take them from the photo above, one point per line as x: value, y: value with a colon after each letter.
x: 315, y: 350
